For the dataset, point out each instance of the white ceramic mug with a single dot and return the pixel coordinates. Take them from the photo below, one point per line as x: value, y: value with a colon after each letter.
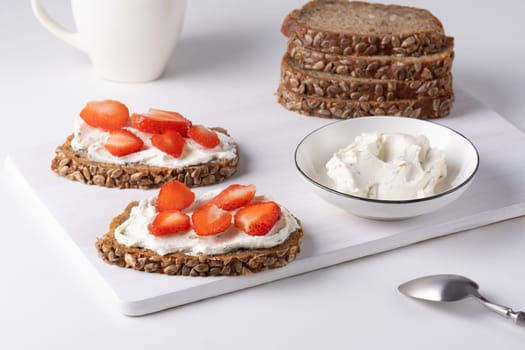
x: 126, y: 40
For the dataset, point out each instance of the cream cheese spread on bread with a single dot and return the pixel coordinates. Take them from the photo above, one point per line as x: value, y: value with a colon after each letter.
x: 387, y: 167
x: 134, y: 232
x: 92, y: 140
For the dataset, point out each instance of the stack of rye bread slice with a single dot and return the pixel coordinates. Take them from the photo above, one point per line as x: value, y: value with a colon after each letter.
x: 349, y: 59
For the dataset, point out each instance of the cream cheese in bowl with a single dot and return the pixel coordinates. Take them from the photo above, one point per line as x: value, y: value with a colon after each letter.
x: 407, y: 169
x: 388, y: 166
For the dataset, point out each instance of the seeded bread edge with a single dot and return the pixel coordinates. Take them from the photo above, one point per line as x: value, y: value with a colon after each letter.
x: 240, y: 262
x: 417, y: 43
x: 316, y: 106
x: 376, y: 67
x: 329, y: 85
x: 75, y: 166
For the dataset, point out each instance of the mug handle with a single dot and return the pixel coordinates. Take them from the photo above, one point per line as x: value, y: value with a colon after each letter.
x: 72, y: 38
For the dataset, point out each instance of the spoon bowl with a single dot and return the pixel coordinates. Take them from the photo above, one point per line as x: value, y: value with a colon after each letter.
x: 449, y: 288
x: 443, y: 288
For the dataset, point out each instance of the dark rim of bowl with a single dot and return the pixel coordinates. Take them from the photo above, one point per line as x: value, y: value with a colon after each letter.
x: 384, y: 201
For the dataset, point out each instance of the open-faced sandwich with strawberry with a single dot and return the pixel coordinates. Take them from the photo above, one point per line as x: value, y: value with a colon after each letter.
x: 113, y: 149
x: 233, y: 231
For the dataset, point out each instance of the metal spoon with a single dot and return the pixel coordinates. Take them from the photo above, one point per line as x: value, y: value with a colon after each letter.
x: 446, y: 288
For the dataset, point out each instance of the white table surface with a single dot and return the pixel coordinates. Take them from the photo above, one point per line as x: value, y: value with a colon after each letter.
x: 45, y: 302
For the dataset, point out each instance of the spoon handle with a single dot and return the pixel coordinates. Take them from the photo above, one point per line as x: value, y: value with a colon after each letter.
x: 517, y: 316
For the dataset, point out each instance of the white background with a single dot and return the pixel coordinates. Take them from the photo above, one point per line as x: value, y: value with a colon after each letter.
x: 45, y: 302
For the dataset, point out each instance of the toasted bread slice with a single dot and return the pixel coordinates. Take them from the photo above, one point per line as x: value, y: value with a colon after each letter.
x: 344, y: 109
x: 240, y: 262
x: 359, y: 28
x: 76, y: 166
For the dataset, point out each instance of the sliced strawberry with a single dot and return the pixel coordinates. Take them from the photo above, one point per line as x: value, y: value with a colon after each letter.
x: 210, y: 220
x: 168, y: 114
x: 107, y: 115
x: 123, y: 142
x: 258, y: 219
x: 203, y: 136
x: 169, y: 222
x: 170, y: 142
x: 157, y: 122
x: 234, y: 196
x: 174, y: 195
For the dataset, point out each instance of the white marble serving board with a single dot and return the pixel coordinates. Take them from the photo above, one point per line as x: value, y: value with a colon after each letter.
x: 267, y: 135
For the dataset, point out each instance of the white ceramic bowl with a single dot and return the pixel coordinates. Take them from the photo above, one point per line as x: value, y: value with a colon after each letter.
x: 317, y: 148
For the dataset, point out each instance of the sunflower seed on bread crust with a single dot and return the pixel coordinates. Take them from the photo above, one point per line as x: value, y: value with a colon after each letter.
x: 345, y: 109
x: 358, y: 28
x: 76, y: 166
x: 329, y: 85
x: 240, y: 262
x: 377, y: 67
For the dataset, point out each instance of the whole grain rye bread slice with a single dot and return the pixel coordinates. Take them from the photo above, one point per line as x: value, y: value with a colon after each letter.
x: 359, y: 28
x: 377, y: 67
x: 76, y: 166
x: 321, y: 84
x: 240, y: 262
x: 345, y: 109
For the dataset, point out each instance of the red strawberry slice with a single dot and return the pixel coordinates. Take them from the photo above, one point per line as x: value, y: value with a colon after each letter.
x: 210, y: 220
x: 203, y: 136
x: 165, y: 113
x: 172, y: 116
x: 174, y: 195
x: 123, y: 142
x: 258, y: 219
x: 157, y: 122
x: 107, y: 115
x: 170, y: 142
x: 169, y: 222
x: 234, y: 196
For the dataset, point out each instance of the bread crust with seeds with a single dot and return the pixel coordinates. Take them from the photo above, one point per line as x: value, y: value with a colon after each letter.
x: 240, y: 262
x: 372, y: 37
x: 346, y: 109
x: 328, y: 85
x: 377, y: 67
x: 76, y: 166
